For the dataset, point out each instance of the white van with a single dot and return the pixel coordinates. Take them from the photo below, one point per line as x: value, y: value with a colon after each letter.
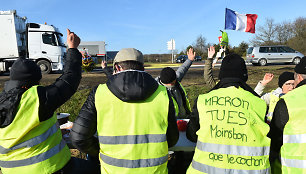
x: 263, y: 55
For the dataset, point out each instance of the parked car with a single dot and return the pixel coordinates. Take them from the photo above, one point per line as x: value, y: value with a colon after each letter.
x: 181, y: 58
x: 198, y: 58
x: 263, y: 55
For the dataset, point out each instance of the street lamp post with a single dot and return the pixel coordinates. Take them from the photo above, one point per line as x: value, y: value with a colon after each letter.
x: 171, y: 46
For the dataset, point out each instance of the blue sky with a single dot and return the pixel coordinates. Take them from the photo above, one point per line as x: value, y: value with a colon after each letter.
x: 148, y: 25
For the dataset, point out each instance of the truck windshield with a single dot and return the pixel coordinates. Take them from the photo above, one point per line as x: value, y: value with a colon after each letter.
x: 59, y: 39
x: 49, y: 39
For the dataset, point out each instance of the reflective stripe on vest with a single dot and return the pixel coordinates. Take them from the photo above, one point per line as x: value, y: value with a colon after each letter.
x: 294, y: 163
x: 29, y: 145
x: 33, y: 141
x: 133, y: 139
x: 299, y: 138
x: 135, y: 144
x: 233, y: 150
x: 293, y: 150
x: 134, y: 163
x: 35, y: 159
x: 210, y: 169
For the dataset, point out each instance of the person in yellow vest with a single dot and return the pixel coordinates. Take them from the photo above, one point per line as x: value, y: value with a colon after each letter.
x: 285, y: 84
x: 133, y: 116
x: 172, y: 81
x: 228, y: 124
x: 30, y: 139
x: 288, y: 131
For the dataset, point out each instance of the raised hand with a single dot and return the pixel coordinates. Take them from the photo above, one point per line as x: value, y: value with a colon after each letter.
x: 73, y: 40
x: 103, y: 64
x: 191, y: 55
x: 211, y: 51
x: 267, y: 79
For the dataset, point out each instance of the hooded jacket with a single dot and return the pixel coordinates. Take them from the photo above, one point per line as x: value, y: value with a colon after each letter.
x: 50, y: 97
x: 128, y: 86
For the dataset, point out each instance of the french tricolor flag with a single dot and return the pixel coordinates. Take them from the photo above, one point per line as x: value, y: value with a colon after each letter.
x: 240, y: 22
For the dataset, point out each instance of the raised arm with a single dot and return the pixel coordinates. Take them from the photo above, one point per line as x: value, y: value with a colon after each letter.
x: 182, y: 70
x: 208, y: 75
x: 106, y: 69
x: 53, y: 96
x: 261, y: 84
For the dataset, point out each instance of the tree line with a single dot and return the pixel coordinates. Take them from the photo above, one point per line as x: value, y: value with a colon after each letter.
x: 292, y: 34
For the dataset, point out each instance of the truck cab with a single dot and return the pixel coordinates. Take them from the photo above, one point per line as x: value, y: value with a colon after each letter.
x: 45, y: 47
x: 39, y: 42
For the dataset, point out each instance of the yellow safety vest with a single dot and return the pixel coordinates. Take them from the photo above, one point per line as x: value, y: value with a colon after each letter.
x: 233, y: 134
x: 273, y: 100
x: 293, y: 151
x: 185, y: 100
x: 132, y: 135
x: 29, y: 146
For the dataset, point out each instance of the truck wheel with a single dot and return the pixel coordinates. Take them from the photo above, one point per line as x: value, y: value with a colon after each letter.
x: 45, y: 66
x: 262, y: 62
x: 296, y: 60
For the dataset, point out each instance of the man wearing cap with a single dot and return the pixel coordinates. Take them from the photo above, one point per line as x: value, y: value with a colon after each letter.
x: 288, y: 131
x: 171, y: 80
x: 30, y: 139
x: 228, y: 125
x: 133, y: 116
x: 285, y: 84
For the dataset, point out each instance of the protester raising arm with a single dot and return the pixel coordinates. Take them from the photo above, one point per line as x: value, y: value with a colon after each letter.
x: 262, y: 84
x: 56, y: 94
x: 182, y: 70
x: 106, y: 69
x: 208, y: 75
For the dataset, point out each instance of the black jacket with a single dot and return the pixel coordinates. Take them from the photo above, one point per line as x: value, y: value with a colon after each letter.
x: 108, y: 71
x: 194, y: 123
x: 277, y: 125
x: 50, y: 97
x: 128, y: 86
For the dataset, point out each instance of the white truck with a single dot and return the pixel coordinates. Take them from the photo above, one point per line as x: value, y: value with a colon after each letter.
x: 38, y: 42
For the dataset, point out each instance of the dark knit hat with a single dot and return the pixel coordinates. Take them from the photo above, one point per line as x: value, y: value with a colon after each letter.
x: 284, y: 77
x: 233, y: 66
x: 25, y: 70
x: 301, y: 67
x: 167, y: 75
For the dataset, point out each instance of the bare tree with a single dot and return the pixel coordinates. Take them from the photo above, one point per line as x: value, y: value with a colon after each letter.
x: 200, y: 44
x: 265, y: 34
x: 298, y: 41
x: 283, y: 32
x: 299, y: 27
